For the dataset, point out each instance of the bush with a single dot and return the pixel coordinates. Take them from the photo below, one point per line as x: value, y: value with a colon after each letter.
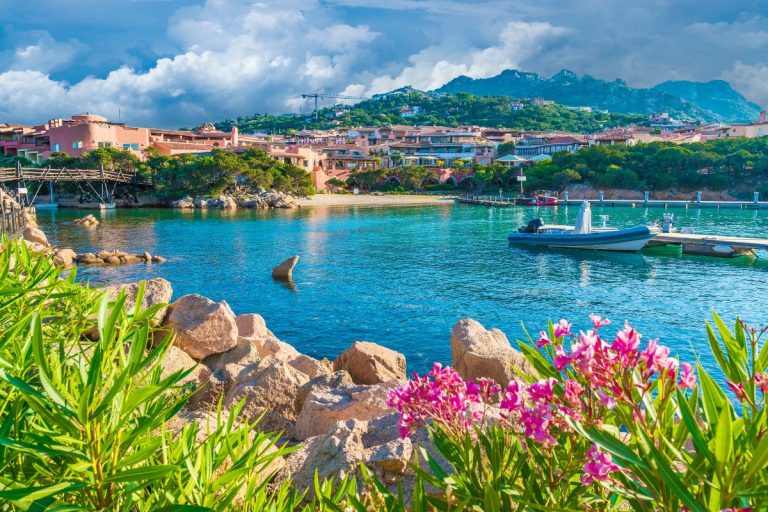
x: 608, y: 426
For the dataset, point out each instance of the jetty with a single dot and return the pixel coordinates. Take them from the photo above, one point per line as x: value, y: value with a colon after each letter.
x: 504, y: 201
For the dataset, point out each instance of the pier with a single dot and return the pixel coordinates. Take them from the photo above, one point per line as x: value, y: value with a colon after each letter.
x: 710, y: 245
x: 503, y: 201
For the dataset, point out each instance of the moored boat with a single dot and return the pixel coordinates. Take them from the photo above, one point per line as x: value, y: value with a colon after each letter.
x: 583, y: 236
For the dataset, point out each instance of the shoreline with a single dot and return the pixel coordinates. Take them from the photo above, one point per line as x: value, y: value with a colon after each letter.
x: 371, y: 200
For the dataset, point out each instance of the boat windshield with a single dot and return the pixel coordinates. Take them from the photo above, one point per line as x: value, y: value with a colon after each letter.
x: 584, y: 219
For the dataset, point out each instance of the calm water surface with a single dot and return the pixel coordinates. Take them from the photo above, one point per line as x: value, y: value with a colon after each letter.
x: 402, y: 276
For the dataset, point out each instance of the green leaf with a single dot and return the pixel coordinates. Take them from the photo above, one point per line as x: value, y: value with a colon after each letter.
x: 142, y: 474
x: 36, y: 493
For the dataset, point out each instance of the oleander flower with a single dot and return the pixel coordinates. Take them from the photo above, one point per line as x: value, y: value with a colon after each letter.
x: 738, y: 389
x: 543, y: 339
x: 687, y: 378
x: 598, y: 321
x: 598, y: 466
x: 562, y: 328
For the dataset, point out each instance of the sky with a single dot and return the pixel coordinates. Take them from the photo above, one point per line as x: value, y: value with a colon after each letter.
x: 171, y: 63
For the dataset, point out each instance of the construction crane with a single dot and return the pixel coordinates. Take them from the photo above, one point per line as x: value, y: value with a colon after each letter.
x: 318, y: 96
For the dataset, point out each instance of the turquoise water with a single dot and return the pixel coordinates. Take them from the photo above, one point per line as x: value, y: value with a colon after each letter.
x: 402, y: 276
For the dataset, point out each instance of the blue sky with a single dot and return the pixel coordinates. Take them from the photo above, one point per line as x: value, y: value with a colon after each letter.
x: 183, y: 62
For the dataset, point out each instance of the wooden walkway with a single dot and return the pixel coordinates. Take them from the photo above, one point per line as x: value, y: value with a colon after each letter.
x: 98, y: 186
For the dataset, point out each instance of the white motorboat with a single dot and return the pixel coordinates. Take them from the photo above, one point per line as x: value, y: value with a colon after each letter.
x: 583, y: 236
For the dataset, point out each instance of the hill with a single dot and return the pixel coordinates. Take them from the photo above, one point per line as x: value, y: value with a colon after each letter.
x: 710, y: 101
x: 412, y: 107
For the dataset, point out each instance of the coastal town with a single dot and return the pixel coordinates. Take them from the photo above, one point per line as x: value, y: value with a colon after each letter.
x: 449, y: 153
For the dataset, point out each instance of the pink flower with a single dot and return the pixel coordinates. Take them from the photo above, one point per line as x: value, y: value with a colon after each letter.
x: 761, y: 383
x: 606, y: 400
x: 489, y: 389
x: 598, y: 321
x: 542, y: 391
x: 738, y: 390
x: 562, y: 328
x: 598, y: 466
x: 573, y: 391
x: 626, y: 342
x: 514, y: 398
x: 655, y: 355
x: 687, y: 378
x: 543, y: 339
x: 561, y: 359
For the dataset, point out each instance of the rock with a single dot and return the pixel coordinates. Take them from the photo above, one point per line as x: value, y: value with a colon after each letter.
x: 201, y: 202
x: 88, y: 221
x: 146, y: 257
x: 130, y: 258
x: 270, y: 391
x: 252, y: 325
x: 325, y: 382
x: 310, y: 366
x: 348, y: 444
x: 65, y: 257
x: 369, y: 363
x: 184, y: 202
x: 34, y: 235
x: 225, y: 371
x: 158, y: 259
x: 156, y: 291
x: 226, y: 203
x: 285, y: 269
x: 87, y: 258
x: 113, y: 260
x: 478, y: 352
x: 175, y: 360
x: 322, y: 408
x: 202, y: 327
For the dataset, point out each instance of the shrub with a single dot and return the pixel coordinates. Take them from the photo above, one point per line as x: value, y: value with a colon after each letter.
x: 609, y: 425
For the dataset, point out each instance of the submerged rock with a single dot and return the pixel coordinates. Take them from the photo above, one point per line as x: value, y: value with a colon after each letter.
x: 285, y: 269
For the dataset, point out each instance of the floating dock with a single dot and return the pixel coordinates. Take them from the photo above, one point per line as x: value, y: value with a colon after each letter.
x: 500, y: 201
x: 710, y: 245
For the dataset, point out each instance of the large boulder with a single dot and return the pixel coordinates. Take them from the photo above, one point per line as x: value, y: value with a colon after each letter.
x: 225, y: 371
x: 285, y: 269
x: 34, y: 235
x: 348, y: 444
x: 322, y: 408
x: 177, y: 360
x: 270, y: 391
x: 202, y: 327
x: 252, y: 325
x: 184, y: 202
x: 156, y: 291
x: 478, y: 352
x: 370, y: 363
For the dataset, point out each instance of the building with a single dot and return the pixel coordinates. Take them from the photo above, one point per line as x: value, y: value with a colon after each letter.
x: 755, y: 129
x: 542, y: 145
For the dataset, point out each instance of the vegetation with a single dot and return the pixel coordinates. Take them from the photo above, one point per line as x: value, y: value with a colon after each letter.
x: 438, y: 109
x: 219, y: 172
x: 607, y: 424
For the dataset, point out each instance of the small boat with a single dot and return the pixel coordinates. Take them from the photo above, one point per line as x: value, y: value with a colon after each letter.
x: 583, y: 236
x: 544, y: 200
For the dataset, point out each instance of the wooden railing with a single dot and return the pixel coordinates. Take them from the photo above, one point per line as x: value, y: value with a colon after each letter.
x: 10, y: 174
x: 12, y: 219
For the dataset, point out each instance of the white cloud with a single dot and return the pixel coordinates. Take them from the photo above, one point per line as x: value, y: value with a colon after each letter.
x: 435, y: 65
x: 751, y: 80
x: 38, y: 51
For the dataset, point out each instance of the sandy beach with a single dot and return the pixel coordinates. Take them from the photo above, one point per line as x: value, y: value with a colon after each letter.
x: 370, y: 200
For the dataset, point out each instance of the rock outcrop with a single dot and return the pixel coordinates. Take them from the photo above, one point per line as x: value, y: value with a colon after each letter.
x: 184, y: 202
x: 202, y: 327
x: 285, y: 269
x: 34, y: 235
x: 370, y: 363
x: 324, y: 406
x: 271, y: 199
x: 478, y: 352
x: 115, y: 258
x: 156, y: 291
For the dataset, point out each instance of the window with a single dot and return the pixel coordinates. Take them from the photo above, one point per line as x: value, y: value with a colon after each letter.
x: 133, y: 145
x: 55, y: 148
x: 78, y: 144
x: 105, y: 144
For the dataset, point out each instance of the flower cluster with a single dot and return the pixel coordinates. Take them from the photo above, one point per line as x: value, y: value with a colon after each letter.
x: 761, y: 384
x: 441, y: 395
x: 598, y: 466
x: 535, y: 409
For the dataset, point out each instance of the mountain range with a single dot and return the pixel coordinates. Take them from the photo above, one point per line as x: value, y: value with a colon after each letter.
x: 714, y: 101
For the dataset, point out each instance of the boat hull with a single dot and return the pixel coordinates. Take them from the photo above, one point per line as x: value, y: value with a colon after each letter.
x: 625, y: 240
